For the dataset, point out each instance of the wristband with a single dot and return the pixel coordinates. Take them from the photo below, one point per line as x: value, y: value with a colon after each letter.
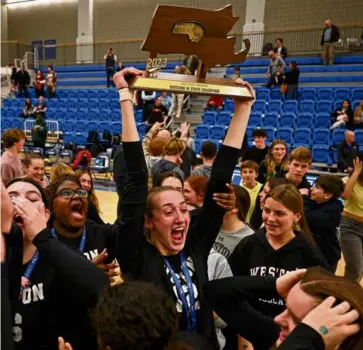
x: 126, y: 95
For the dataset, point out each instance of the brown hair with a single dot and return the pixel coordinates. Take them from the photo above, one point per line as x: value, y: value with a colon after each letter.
x: 198, y: 184
x: 301, y: 154
x: 156, y: 146
x: 29, y: 157
x: 332, y: 184
x: 12, y: 136
x: 173, y: 147
x: 243, y: 202
x: 320, y: 283
x: 92, y: 195
x: 290, y: 197
x: 270, y: 161
x: 249, y: 164
x: 58, y: 170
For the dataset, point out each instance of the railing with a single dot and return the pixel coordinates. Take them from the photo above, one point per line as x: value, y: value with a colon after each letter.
x: 53, y: 130
x: 296, y: 40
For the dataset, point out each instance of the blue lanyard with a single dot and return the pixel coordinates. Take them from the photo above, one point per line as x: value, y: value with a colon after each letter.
x: 189, y: 311
x: 30, y: 268
x: 82, y: 244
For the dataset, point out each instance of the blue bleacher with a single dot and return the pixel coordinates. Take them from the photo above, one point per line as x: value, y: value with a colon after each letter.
x: 321, y: 154
x: 302, y: 136
x: 287, y: 119
x: 270, y: 119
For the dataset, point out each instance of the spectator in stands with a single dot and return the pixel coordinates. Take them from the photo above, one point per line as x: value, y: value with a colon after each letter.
x: 11, y: 166
x: 28, y: 110
x: 291, y: 78
x: 85, y: 178
x: 195, y: 188
x: 120, y: 66
x: 323, y: 211
x: 275, y: 164
x: 166, y: 100
x: 23, y: 82
x: 110, y: 61
x: 13, y: 76
x: 148, y: 98
x: 51, y: 81
x: 259, y: 151
x: 249, y: 173
x: 215, y: 103
x: 41, y: 108
x: 40, y: 132
x: 275, y: 69
x: 39, y: 84
x: 358, y: 116
x: 236, y: 73
x: 208, y: 153
x: 171, y: 159
x: 279, y: 49
x: 34, y: 169
x: 299, y: 163
x: 351, y: 227
x: 343, y: 116
x: 58, y: 170
x: 329, y: 38
x: 348, y: 150
x: 158, y: 114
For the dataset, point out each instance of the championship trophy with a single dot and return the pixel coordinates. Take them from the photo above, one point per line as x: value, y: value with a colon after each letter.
x: 191, y: 31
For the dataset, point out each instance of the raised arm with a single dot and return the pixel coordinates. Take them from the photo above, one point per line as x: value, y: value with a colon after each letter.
x: 132, y: 208
x: 207, y: 225
x: 358, y: 166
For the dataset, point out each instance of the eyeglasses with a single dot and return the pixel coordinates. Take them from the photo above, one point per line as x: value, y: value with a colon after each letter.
x: 69, y: 194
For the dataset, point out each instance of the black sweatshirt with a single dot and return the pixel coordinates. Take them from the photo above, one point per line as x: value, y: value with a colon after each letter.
x: 233, y: 299
x: 254, y: 256
x: 149, y: 265
x: 63, y: 287
x: 323, y: 220
x: 263, y: 175
x: 93, y: 213
x: 255, y: 154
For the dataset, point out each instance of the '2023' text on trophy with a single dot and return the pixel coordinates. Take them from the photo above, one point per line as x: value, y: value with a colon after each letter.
x: 191, y: 31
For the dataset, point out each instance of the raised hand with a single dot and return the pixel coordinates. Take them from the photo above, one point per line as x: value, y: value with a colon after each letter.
x: 62, y: 345
x: 358, y: 165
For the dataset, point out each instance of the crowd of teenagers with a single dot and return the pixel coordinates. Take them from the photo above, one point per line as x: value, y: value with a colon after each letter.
x: 192, y: 261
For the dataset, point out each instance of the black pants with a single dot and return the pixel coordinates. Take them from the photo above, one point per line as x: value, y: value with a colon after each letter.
x: 39, y: 92
x: 109, y: 73
x: 23, y: 91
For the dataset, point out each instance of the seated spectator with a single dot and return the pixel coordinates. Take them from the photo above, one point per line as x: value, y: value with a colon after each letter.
x: 51, y: 81
x: 343, y: 116
x: 39, y: 132
x: 291, y: 78
x: 58, y: 170
x: 208, y: 153
x: 259, y: 151
x: 249, y: 173
x: 41, y: 108
x: 29, y: 109
x: 275, y: 163
x: 275, y: 69
x: 11, y: 166
x: 39, y: 84
x: 279, y: 49
x: 148, y: 98
x: 298, y: 163
x: 348, y: 150
x: 157, y: 114
x: 323, y: 211
x: 120, y: 66
x: 166, y: 100
x: 236, y: 73
x: 34, y: 169
x: 358, y: 116
x: 215, y: 103
x: 171, y: 159
x: 85, y: 178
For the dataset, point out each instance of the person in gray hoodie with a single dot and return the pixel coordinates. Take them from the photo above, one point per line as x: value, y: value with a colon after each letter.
x: 208, y: 153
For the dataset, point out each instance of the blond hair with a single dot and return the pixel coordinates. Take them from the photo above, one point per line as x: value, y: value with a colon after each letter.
x: 60, y: 169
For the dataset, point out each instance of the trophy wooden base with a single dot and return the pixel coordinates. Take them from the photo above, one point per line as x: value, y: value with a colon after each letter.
x: 190, y: 85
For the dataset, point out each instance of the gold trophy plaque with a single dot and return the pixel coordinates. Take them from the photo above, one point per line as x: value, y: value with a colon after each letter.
x: 191, y: 31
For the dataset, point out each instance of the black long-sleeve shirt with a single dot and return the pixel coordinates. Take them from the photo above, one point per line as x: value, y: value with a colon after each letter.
x: 234, y: 300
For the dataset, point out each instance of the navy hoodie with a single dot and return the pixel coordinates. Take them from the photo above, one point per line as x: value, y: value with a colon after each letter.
x: 323, y: 220
x: 254, y: 256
